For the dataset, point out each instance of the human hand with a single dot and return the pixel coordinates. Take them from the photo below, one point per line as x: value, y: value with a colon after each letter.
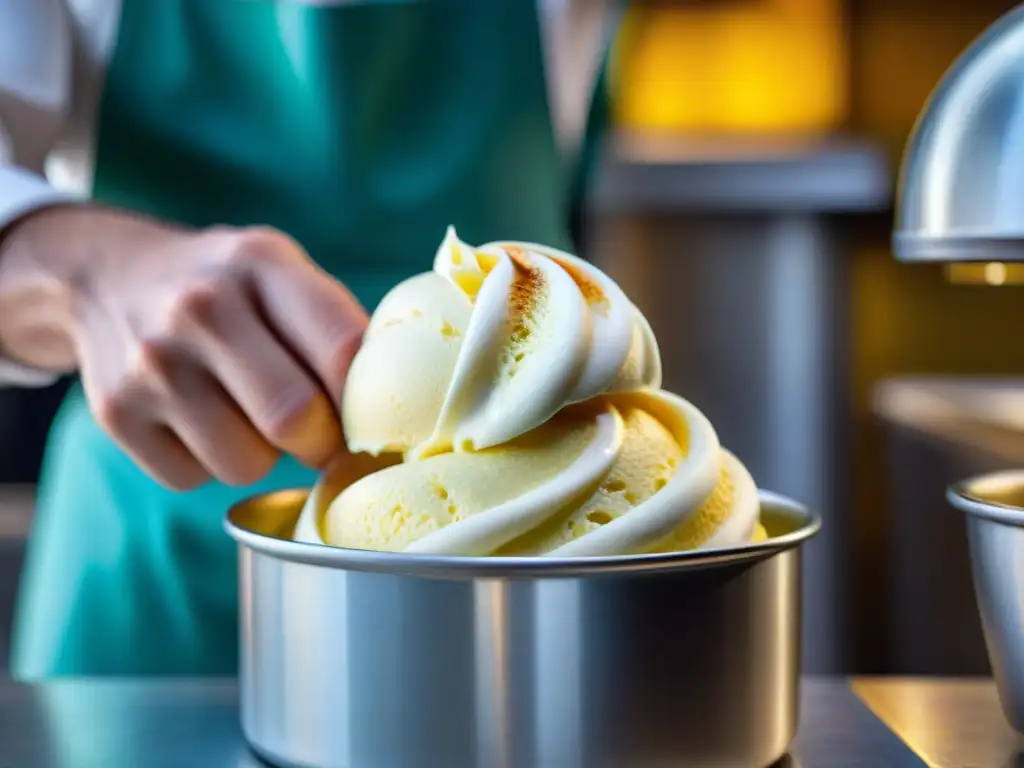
x: 206, y: 354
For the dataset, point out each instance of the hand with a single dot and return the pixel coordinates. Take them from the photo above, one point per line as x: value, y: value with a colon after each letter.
x: 209, y: 353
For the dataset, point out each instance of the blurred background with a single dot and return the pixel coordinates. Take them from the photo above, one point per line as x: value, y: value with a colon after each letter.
x: 744, y: 202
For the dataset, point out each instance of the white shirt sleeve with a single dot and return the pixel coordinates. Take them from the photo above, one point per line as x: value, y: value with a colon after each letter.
x: 35, y: 98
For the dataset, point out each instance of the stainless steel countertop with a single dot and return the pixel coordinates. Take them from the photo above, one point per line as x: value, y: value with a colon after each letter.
x: 948, y: 723
x: 984, y: 414
x: 868, y: 723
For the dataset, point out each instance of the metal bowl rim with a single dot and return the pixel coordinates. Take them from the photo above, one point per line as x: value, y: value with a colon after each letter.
x: 960, y: 495
x: 408, y: 564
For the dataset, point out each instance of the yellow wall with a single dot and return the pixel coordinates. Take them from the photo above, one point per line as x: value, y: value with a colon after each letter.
x: 752, y: 65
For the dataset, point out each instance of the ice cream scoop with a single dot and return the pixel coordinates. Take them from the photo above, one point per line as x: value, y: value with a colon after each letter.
x: 512, y: 397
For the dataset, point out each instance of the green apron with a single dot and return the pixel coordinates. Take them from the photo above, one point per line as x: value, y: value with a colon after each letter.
x: 363, y: 131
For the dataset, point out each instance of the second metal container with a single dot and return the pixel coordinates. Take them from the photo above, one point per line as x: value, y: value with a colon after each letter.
x: 994, y: 505
x: 356, y: 659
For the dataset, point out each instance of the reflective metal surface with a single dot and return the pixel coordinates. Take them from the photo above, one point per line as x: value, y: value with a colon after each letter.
x: 690, y: 659
x: 152, y: 723
x: 741, y: 244
x: 950, y: 723
x: 961, y: 195
x: 995, y: 527
x: 119, y: 723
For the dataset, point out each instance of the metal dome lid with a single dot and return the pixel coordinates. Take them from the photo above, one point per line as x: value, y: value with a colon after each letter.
x: 961, y: 186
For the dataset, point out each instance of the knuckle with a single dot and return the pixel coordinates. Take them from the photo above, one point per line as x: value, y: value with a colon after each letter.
x: 197, y: 304
x: 153, y: 359
x: 262, y: 245
x: 147, y: 376
x: 113, y: 410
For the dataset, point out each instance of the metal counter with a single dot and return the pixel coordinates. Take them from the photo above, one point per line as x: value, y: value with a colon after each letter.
x: 948, y: 723
x: 869, y: 723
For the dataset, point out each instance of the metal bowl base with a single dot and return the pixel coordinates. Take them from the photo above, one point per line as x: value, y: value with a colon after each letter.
x: 690, y: 660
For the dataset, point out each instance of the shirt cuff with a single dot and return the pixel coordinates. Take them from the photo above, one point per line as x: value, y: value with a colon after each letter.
x: 21, y: 193
x: 14, y: 374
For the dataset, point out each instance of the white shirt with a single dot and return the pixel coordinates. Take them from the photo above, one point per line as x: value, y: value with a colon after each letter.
x: 53, y: 61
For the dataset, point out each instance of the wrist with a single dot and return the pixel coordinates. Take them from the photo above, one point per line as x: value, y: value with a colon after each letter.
x: 51, y: 262
x: 35, y: 296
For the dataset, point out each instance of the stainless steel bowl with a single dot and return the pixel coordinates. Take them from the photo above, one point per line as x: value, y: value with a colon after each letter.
x: 994, y: 505
x: 357, y: 659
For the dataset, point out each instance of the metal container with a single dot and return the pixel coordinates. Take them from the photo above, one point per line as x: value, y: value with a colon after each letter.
x: 994, y: 504
x: 358, y: 659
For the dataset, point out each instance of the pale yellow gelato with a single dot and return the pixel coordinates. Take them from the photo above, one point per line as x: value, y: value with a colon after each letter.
x: 513, y: 398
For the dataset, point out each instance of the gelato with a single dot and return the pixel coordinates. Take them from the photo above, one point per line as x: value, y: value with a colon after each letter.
x: 512, y: 399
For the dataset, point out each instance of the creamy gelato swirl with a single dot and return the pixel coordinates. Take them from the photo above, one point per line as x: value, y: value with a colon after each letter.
x: 512, y: 399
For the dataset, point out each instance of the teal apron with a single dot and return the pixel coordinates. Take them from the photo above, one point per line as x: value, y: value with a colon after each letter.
x: 363, y: 131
